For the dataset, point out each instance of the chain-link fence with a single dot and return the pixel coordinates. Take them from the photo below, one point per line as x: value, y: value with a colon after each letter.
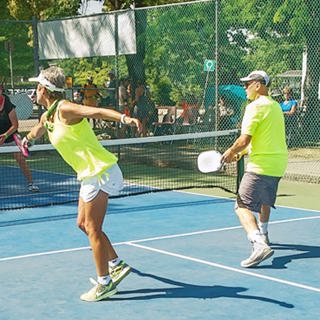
x: 17, y: 63
x: 184, y: 76
x: 16, y: 53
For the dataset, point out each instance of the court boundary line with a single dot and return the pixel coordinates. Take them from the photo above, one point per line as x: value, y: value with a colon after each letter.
x: 179, y: 235
x: 234, y: 199
x: 221, y: 266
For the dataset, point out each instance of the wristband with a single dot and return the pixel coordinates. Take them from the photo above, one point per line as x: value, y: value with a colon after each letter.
x: 123, y: 116
x: 5, y: 136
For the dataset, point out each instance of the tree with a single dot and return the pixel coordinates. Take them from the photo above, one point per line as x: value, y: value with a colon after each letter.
x: 16, y: 34
x: 135, y: 63
x: 43, y: 9
x: 17, y: 28
x: 283, y: 25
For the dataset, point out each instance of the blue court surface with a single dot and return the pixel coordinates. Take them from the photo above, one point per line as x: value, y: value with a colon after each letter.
x: 55, y: 188
x: 185, y: 251
x: 52, y: 188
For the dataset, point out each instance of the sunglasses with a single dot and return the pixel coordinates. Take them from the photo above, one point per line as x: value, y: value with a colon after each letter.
x: 248, y: 84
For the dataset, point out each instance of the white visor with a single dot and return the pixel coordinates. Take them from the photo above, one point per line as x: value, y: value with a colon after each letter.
x: 46, y: 83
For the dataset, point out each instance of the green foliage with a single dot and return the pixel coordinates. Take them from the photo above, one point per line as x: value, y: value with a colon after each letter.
x: 273, y: 56
x: 42, y: 9
x: 22, y: 54
x: 172, y: 46
x: 125, y: 4
x: 61, y: 8
x: 20, y: 34
x: 161, y: 92
x: 81, y: 69
x: 178, y: 40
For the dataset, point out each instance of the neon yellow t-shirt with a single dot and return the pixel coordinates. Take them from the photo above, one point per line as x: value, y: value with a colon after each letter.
x: 80, y: 148
x: 263, y: 120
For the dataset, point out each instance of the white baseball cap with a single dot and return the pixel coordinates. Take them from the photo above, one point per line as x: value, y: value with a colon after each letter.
x: 46, y: 83
x: 258, y: 75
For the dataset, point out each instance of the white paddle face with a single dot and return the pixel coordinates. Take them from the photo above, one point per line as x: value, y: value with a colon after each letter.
x: 209, y: 161
x: 23, y: 105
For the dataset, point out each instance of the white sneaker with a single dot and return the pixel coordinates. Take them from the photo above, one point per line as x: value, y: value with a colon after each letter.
x: 33, y: 188
x: 119, y: 272
x: 265, y: 238
x: 99, y: 291
x: 261, y: 252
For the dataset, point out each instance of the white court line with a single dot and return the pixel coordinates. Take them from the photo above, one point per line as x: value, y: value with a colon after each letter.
x: 43, y: 254
x: 221, y: 266
x: 119, y: 243
x: 294, y: 219
x: 233, y: 199
x: 150, y: 239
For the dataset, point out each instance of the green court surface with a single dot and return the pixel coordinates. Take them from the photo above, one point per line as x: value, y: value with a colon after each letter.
x: 290, y: 194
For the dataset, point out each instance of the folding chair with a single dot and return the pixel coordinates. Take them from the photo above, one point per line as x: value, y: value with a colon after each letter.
x: 165, y: 123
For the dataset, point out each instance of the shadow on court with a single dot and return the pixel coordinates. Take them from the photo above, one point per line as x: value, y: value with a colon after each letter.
x: 114, y: 209
x: 186, y: 290
x: 305, y: 252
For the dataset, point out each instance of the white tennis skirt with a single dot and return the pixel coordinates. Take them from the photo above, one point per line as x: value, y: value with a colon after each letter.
x: 110, y: 182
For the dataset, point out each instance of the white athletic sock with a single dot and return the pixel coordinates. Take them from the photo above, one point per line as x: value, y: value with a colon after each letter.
x: 104, y: 279
x: 255, y: 236
x: 263, y: 227
x: 114, y: 262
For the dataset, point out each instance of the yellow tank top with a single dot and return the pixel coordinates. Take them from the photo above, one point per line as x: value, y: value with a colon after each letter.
x: 80, y: 148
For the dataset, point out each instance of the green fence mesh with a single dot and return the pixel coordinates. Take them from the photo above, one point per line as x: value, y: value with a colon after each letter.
x: 185, y: 74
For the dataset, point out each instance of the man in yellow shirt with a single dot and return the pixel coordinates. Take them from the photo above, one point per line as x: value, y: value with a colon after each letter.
x: 263, y: 135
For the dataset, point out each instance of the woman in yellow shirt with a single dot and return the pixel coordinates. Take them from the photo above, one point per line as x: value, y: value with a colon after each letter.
x: 96, y: 168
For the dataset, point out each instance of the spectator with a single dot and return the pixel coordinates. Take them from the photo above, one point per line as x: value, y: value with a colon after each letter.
x: 123, y: 96
x: 111, y: 87
x: 77, y: 98
x: 184, y: 117
x: 124, y: 106
x: 90, y: 95
x: 226, y: 114
x: 8, y: 127
x: 289, y: 107
x: 190, y: 111
x: 141, y: 106
x: 152, y: 110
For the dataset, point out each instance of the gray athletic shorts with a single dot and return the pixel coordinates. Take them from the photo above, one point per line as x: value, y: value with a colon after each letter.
x: 256, y: 190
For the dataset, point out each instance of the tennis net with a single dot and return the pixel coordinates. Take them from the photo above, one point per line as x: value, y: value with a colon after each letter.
x: 150, y: 164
